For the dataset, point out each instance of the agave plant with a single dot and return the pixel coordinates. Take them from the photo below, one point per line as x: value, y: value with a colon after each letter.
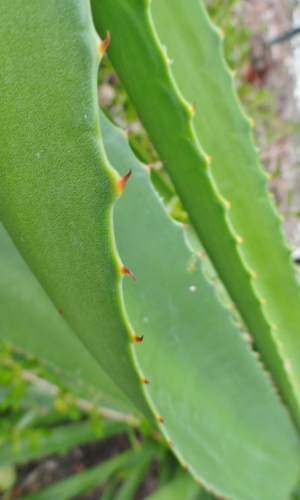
x: 79, y: 211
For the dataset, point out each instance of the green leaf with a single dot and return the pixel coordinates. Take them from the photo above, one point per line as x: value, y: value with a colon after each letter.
x: 59, y: 440
x: 179, y: 488
x: 135, y: 50
x: 134, y: 478
x: 76, y: 484
x: 195, y: 46
x: 56, y: 186
x: 206, y: 384
x: 29, y: 321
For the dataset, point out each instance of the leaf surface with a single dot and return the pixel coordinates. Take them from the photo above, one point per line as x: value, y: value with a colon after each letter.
x: 136, y: 50
x: 29, y: 321
x: 195, y: 46
x: 205, y: 383
x: 56, y: 186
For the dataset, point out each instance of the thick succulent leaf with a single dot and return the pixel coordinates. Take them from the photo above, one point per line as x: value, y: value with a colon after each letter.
x: 29, y: 321
x: 195, y: 48
x: 56, y: 187
x: 136, y: 50
x: 205, y: 383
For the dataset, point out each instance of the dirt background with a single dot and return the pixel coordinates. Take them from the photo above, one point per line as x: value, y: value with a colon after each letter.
x: 267, y: 20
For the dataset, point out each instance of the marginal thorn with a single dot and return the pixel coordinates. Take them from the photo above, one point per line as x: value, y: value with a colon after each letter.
x: 274, y: 327
x: 125, y: 270
x: 288, y: 366
x: 222, y: 33
x: 122, y: 181
x: 159, y: 419
x: 232, y: 307
x: 185, y: 466
x: 170, y: 442
x: 254, y: 274
x: 61, y: 312
x: 263, y: 302
x: 240, y: 239
x: 126, y: 131
x: 150, y: 166
x: 202, y: 255
x: 227, y: 204
x: 209, y: 159
x: 198, y: 480
x: 251, y: 122
x: 247, y: 337
x: 104, y: 43
x: 137, y: 339
x: 193, y: 108
x: 144, y: 380
x: 185, y: 226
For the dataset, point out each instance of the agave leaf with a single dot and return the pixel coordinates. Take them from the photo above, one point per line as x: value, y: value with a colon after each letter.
x: 209, y: 393
x: 29, y: 321
x: 56, y: 187
x: 136, y: 50
x: 195, y: 47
